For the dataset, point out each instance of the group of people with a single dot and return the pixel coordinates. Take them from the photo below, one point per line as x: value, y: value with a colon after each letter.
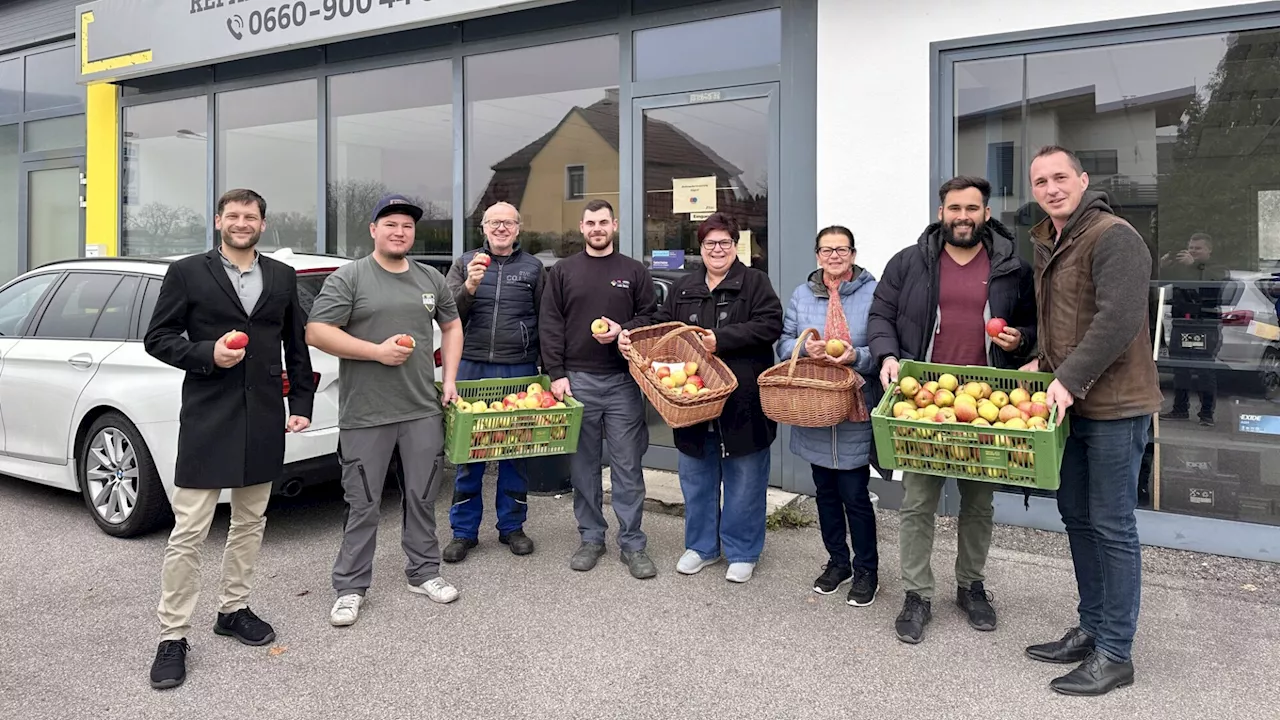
x: 1078, y: 312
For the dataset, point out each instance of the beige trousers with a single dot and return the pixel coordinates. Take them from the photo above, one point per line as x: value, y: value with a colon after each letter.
x: 180, y: 581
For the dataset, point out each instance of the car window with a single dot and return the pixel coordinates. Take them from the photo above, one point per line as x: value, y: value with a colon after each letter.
x: 149, y: 295
x: 77, y: 305
x: 19, y: 301
x: 113, y: 322
x: 309, y: 285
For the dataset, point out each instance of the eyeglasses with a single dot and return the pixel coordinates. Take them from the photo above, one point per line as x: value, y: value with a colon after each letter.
x: 508, y: 224
x: 713, y: 244
x: 840, y: 252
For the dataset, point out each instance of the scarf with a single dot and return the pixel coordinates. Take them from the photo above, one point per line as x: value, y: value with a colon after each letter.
x: 838, y: 328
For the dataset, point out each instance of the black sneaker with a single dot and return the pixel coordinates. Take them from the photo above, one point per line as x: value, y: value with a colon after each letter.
x: 1175, y: 415
x: 456, y: 550
x: 866, y: 584
x: 519, y: 543
x: 244, y: 626
x: 832, y: 577
x: 916, y: 613
x: 1206, y: 422
x: 976, y: 601
x: 586, y: 556
x: 169, y: 669
x: 639, y: 563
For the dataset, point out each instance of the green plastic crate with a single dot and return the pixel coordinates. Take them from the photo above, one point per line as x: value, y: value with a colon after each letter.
x: 508, y: 434
x: 1025, y: 458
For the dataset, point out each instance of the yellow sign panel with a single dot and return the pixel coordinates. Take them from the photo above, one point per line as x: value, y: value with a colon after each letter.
x: 690, y: 195
x: 105, y: 64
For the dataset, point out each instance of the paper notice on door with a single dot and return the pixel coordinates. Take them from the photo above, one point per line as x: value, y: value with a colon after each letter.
x: 744, y: 247
x: 92, y: 250
x: 690, y: 195
x: 700, y: 216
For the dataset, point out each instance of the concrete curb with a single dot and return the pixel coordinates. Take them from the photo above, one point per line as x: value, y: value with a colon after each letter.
x: 663, y: 495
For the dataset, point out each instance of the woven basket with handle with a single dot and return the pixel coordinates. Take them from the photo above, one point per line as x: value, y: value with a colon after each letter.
x: 671, y: 343
x: 805, y: 392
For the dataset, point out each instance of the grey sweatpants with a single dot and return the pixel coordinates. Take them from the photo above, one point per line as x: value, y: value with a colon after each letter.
x: 365, y: 454
x: 613, y: 410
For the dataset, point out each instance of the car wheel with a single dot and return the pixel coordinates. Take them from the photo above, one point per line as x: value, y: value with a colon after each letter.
x: 1269, y: 372
x: 119, y: 480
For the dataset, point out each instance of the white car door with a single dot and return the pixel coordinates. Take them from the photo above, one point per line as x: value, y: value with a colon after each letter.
x: 18, y: 303
x: 84, y: 321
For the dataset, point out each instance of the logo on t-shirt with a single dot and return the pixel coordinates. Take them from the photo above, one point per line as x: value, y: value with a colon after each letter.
x: 622, y: 284
x: 429, y: 301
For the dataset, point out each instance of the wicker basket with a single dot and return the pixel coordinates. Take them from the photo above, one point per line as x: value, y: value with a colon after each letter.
x: 805, y: 392
x: 672, y: 343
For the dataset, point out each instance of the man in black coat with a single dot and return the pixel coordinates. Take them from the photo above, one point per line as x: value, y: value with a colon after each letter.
x: 232, y: 423
x: 934, y: 304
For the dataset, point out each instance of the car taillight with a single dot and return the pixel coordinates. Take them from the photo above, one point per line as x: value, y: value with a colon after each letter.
x: 1237, y: 318
x: 313, y: 271
x: 439, y: 362
x: 315, y: 379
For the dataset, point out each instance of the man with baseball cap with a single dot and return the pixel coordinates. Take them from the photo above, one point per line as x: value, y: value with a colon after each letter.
x: 371, y: 314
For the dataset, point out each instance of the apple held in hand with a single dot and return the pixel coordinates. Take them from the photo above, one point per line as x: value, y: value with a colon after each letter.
x: 995, y: 326
x: 406, y: 341
x: 599, y: 327
x: 484, y: 258
x: 237, y: 341
x: 835, y: 348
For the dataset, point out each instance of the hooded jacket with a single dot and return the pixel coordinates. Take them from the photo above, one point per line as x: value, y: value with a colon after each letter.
x: 904, y: 317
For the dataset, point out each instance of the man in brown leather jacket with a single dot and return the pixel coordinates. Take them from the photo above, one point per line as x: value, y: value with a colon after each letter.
x: 1092, y: 273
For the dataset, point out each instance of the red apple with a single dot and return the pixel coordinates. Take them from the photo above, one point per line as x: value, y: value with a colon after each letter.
x: 695, y: 380
x: 484, y: 259
x: 406, y: 341
x: 995, y: 326
x: 237, y: 341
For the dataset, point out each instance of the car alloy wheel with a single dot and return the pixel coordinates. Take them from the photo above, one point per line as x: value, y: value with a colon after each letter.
x: 112, y: 474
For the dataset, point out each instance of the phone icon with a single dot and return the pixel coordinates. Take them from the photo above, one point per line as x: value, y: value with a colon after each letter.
x: 234, y: 26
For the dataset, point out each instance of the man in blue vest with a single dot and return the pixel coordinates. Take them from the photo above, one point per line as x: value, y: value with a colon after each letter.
x: 497, y: 290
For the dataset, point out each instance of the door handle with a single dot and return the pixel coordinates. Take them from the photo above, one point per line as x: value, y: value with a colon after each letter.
x: 83, y: 361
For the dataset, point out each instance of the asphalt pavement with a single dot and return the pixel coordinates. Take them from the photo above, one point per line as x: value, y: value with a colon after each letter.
x: 531, y: 638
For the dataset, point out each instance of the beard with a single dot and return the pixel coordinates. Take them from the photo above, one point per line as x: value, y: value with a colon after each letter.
x: 600, y: 242
x: 231, y: 241
x: 977, y: 234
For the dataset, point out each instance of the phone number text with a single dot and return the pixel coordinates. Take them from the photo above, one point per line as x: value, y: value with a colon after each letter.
x: 297, y: 14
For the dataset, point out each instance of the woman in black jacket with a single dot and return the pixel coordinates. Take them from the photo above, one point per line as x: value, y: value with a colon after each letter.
x: 743, y: 319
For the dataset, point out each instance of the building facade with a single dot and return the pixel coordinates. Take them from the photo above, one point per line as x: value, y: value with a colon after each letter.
x: 121, y: 122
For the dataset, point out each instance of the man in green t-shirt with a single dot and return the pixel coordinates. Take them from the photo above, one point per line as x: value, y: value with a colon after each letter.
x: 371, y: 314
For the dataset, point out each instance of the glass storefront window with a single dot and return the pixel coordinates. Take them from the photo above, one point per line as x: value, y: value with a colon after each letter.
x: 1180, y: 135
x: 164, y: 186
x: 391, y: 130
x: 11, y: 87
x: 54, y: 133
x: 8, y: 202
x: 267, y: 142
x: 531, y: 115
x: 51, y: 80
x: 738, y: 42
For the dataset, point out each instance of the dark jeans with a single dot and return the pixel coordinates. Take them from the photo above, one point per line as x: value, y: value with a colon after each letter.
x: 1183, y: 385
x: 844, y: 510
x: 1097, y: 499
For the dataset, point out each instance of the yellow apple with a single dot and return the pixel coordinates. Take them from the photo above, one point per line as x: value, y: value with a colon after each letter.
x: 534, y: 389
x: 1019, y: 396
x: 1000, y: 398
x: 1039, y: 397
x: 599, y: 326
x: 909, y: 386
x: 901, y: 408
x: 679, y: 378
x: 1009, y: 413
x: 948, y: 382
x: 973, y: 390
x: 495, y: 406
x: 932, y: 386
x: 986, y: 389
x: 944, y: 398
x: 835, y: 348
x: 668, y: 381
x: 965, y: 399
x: 989, y: 411
x: 690, y: 368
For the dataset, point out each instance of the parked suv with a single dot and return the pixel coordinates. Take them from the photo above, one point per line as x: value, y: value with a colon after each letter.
x: 83, y: 407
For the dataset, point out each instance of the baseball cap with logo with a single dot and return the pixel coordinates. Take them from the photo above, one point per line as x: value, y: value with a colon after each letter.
x: 396, y: 204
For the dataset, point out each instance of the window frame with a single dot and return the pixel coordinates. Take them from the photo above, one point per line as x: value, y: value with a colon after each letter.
x: 33, y: 317
x: 48, y: 301
x: 569, y: 195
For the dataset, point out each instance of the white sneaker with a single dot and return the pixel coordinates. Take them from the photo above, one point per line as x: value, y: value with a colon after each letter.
x: 438, y: 589
x: 346, y: 610
x: 740, y: 572
x: 691, y: 562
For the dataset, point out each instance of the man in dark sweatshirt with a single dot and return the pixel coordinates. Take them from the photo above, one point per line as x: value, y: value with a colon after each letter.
x: 601, y: 284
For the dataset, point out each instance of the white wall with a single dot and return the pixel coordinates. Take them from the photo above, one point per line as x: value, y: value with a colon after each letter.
x: 874, y: 101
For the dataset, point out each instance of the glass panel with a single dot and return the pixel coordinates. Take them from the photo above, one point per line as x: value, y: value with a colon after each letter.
x: 728, y: 141
x: 164, y: 185
x: 11, y: 86
x: 8, y: 202
x: 267, y: 142
x: 76, y: 306
x: 738, y: 42
x: 391, y: 131
x: 530, y: 113
x: 19, y: 300
x: 1181, y: 135
x: 988, y: 133
x: 51, y: 80
x: 54, y: 134
x: 113, y: 322
x: 149, y: 296
x: 53, y: 215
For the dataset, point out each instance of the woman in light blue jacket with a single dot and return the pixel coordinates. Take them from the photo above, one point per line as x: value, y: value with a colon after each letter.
x: 840, y: 455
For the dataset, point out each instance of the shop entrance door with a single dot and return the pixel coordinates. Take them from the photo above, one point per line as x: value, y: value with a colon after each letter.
x: 51, y: 211
x: 697, y: 153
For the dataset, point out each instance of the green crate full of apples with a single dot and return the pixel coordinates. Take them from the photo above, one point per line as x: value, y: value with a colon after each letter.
x: 972, y: 423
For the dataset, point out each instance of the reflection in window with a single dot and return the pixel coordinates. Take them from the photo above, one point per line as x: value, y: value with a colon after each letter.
x: 8, y: 202
x: 11, y: 87
x: 575, y: 178
x: 164, y: 186
x: 267, y: 142
x: 51, y: 80
x: 76, y: 306
x: 530, y: 113
x: 390, y: 131
x: 1182, y: 137
x: 737, y: 42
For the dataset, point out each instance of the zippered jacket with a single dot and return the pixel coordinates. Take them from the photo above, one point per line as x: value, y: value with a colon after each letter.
x: 500, y: 322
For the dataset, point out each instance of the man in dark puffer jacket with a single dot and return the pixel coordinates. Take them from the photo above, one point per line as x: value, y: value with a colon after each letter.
x: 933, y: 304
x: 498, y: 290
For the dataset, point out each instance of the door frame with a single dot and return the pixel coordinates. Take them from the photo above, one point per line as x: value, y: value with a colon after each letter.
x: 24, y: 199
x: 631, y: 237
